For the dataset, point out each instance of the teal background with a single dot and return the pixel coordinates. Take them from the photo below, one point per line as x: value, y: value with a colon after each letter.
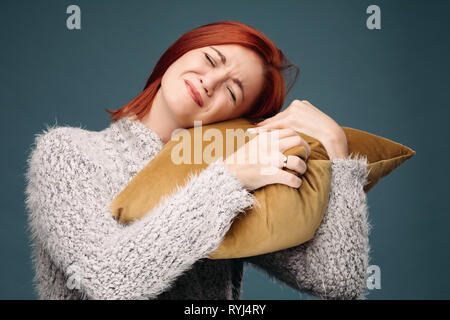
x: 391, y: 82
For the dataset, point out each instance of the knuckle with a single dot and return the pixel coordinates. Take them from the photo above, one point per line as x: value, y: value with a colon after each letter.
x: 298, y: 140
x: 292, y: 131
x: 298, y: 161
x: 293, y: 108
x: 301, y: 164
x: 290, y: 118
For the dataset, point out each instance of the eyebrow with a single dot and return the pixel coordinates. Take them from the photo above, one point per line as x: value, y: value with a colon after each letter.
x: 237, y: 81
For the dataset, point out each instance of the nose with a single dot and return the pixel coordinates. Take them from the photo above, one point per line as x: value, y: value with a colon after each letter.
x: 204, y: 87
x: 211, y: 80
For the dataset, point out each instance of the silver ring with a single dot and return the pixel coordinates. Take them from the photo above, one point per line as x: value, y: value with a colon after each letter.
x: 285, y: 161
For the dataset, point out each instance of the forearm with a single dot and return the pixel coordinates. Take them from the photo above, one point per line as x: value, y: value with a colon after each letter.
x: 68, y: 218
x: 333, y: 264
x: 337, y: 257
x: 144, y: 258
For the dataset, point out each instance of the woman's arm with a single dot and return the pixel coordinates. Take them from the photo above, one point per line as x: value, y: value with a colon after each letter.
x: 141, y: 260
x: 333, y: 264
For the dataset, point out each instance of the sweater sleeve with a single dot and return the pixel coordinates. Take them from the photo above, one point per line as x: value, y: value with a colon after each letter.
x: 334, y: 263
x: 138, y: 261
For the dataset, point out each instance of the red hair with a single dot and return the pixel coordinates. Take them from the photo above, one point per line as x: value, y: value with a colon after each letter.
x: 273, y: 93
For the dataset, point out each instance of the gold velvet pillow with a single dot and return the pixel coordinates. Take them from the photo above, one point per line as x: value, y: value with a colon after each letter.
x: 284, y: 217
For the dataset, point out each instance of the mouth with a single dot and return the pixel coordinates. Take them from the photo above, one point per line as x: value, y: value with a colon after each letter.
x: 195, y: 95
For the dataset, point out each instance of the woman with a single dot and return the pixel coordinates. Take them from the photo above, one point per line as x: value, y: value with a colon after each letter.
x: 215, y: 72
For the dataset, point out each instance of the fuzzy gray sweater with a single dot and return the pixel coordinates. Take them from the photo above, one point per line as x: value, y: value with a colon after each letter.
x: 80, y: 252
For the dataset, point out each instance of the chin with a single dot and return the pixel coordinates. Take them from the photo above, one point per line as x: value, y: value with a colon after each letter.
x: 182, y: 107
x: 178, y: 106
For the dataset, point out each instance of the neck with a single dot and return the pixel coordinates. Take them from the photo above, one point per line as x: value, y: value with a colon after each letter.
x: 159, y: 119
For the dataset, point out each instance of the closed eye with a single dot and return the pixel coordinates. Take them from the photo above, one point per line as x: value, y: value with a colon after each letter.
x: 209, y: 59
x: 232, y: 95
x: 213, y: 64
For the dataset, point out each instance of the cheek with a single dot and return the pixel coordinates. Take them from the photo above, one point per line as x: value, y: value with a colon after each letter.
x: 222, y: 108
x: 220, y: 103
x: 174, y: 97
x: 173, y: 86
x: 172, y: 74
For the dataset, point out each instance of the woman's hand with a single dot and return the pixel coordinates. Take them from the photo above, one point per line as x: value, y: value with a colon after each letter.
x: 259, y: 162
x: 303, y: 117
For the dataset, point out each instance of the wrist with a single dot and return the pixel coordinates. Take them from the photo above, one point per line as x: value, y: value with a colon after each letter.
x: 336, y: 145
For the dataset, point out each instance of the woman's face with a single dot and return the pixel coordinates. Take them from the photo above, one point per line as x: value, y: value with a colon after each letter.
x: 227, y: 79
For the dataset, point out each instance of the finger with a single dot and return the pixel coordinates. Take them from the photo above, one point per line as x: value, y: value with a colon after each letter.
x: 273, y: 137
x: 297, y: 164
x: 276, y: 117
x: 269, y: 142
x: 288, y: 132
x: 274, y: 124
x: 288, y: 179
x: 279, y: 160
x: 306, y: 102
x: 282, y: 133
x: 274, y: 175
x: 293, y: 141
